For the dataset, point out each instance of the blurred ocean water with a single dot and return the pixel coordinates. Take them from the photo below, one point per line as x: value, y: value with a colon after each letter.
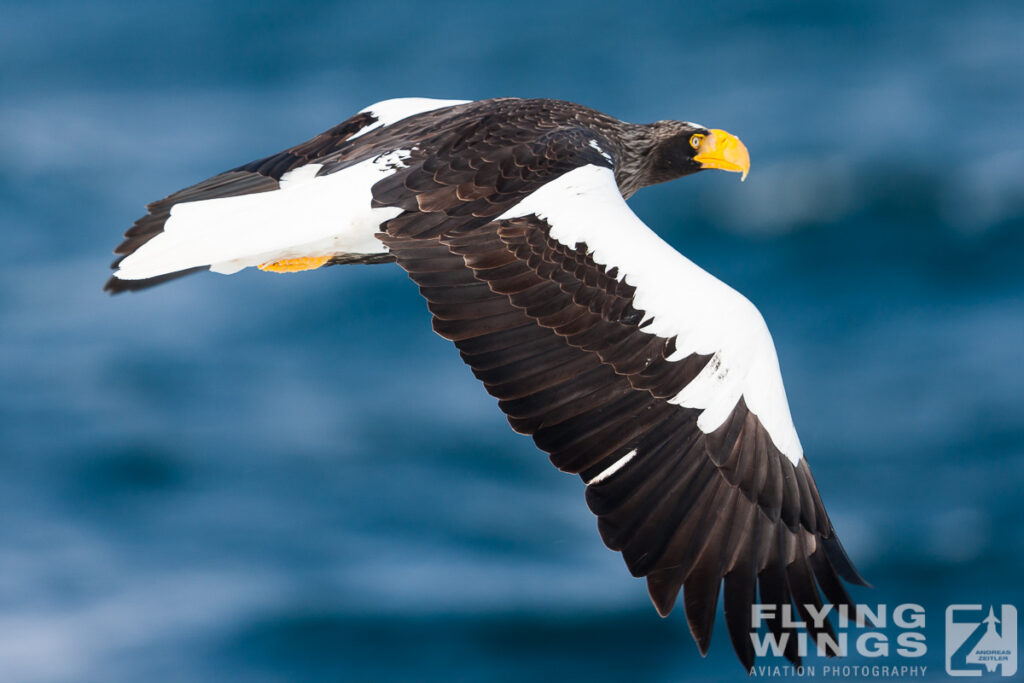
x: 267, y: 477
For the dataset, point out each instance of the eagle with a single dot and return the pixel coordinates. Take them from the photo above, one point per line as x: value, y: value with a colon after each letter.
x: 628, y: 364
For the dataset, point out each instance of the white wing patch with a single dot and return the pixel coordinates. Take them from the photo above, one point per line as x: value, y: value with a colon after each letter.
x: 298, y: 176
x: 309, y: 215
x: 679, y: 299
x: 613, y: 468
x: 393, y: 111
x: 606, y: 155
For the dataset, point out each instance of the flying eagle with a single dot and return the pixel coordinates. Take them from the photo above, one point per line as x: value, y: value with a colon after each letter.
x: 628, y: 364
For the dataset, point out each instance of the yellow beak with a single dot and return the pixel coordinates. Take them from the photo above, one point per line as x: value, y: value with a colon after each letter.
x: 723, y: 151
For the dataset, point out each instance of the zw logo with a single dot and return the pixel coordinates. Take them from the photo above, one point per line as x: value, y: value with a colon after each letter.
x: 976, y: 643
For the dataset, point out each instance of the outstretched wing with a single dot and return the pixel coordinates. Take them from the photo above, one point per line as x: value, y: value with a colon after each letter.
x: 629, y: 365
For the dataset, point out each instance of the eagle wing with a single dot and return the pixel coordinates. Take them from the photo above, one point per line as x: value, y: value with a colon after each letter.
x: 629, y: 365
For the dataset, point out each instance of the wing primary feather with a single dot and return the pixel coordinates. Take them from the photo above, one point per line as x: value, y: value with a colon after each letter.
x: 740, y: 587
x: 773, y: 586
x: 703, y: 582
x: 805, y: 594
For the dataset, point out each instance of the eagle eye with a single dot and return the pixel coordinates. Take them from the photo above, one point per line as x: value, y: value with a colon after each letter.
x: 695, y: 140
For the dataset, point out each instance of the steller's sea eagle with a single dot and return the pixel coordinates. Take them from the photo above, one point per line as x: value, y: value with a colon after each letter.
x: 631, y: 366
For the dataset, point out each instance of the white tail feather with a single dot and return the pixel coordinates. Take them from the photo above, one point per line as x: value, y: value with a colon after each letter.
x: 309, y: 216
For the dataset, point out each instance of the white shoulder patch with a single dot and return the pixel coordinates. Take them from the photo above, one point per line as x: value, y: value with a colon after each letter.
x: 392, y: 111
x: 680, y: 300
x: 606, y: 155
x: 298, y: 176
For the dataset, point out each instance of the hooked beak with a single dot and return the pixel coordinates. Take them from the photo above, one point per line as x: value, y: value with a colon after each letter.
x: 724, y: 151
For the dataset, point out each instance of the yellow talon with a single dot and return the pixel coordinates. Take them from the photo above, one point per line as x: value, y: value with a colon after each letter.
x: 295, y: 265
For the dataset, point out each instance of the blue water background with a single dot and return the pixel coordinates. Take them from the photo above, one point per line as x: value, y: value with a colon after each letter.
x: 263, y: 478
